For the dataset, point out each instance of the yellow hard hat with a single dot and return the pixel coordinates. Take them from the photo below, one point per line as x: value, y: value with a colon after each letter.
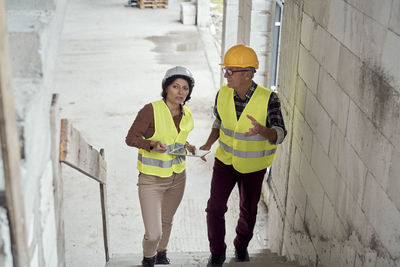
x: 240, y: 56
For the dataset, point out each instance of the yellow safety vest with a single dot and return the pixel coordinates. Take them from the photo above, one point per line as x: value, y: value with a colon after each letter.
x: 164, y: 164
x: 245, y: 154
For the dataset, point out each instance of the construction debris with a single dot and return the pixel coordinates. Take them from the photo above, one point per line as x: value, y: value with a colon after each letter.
x: 147, y: 3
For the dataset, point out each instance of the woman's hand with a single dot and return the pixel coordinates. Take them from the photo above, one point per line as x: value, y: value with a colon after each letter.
x: 158, y: 146
x: 205, y: 147
x: 190, y: 148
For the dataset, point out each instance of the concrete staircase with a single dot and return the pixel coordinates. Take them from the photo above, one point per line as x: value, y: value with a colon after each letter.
x: 199, y: 259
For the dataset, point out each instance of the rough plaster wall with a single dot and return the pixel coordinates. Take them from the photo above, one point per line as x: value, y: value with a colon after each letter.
x: 342, y: 97
x: 2, y: 180
x: 48, y: 219
x: 5, y: 245
x: 36, y: 139
x: 34, y: 28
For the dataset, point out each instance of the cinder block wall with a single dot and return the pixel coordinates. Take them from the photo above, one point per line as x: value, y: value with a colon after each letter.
x: 336, y: 181
x: 34, y: 27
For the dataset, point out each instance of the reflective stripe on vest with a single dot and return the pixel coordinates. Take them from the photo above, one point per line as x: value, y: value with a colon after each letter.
x: 164, y: 164
x: 246, y: 153
x: 240, y: 136
x: 161, y: 163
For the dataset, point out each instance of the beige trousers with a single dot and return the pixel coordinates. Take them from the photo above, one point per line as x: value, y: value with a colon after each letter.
x: 159, y: 199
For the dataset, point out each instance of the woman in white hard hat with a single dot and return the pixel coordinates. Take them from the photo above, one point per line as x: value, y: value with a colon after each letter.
x: 159, y: 128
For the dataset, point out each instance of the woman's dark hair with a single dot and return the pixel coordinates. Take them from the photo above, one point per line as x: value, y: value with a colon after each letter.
x: 171, y: 79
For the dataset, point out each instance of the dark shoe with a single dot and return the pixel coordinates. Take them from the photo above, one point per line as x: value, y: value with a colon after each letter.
x: 216, y: 260
x: 161, y: 257
x: 148, y: 262
x: 241, y: 254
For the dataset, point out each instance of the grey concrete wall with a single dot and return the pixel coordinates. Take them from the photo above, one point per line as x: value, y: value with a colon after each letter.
x: 254, y: 30
x: 203, y: 13
x: 336, y: 179
x: 229, y: 29
x: 28, y: 5
x: 34, y: 28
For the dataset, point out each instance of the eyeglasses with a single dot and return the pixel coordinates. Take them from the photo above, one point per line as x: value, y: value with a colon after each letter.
x: 231, y: 72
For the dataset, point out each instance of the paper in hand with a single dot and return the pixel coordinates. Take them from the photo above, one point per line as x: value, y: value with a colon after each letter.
x: 185, y: 152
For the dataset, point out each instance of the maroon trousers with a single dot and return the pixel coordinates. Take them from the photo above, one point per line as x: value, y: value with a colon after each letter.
x: 223, y: 181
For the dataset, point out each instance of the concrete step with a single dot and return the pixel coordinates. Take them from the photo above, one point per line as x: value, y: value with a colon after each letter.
x: 192, y: 259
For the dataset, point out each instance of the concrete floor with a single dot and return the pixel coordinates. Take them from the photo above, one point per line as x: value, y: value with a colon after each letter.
x: 111, y: 62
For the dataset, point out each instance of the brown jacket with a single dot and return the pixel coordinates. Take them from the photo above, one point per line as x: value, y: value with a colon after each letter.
x: 143, y: 127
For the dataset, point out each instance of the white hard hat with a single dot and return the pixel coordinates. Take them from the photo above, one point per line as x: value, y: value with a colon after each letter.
x: 178, y: 70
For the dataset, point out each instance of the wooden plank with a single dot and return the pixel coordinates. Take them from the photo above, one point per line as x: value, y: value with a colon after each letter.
x: 77, y: 153
x: 147, y: 3
x: 11, y: 152
x: 104, y: 213
x: 162, y: 3
x: 102, y: 167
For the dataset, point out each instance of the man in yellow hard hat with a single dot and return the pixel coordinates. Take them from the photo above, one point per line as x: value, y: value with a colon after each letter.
x: 249, y: 126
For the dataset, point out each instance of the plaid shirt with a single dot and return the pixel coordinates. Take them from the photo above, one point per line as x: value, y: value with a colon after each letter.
x: 274, y: 116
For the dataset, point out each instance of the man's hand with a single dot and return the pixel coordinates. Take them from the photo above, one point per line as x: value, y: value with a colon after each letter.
x: 257, y: 129
x: 268, y: 133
